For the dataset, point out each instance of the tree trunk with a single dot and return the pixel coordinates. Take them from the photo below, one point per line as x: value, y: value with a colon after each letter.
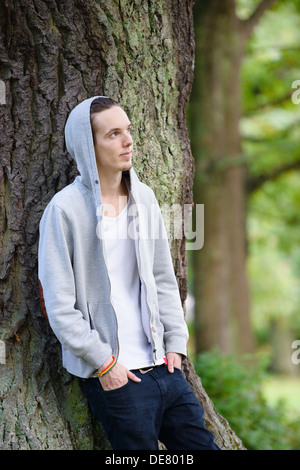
x: 221, y: 288
x: 53, y: 55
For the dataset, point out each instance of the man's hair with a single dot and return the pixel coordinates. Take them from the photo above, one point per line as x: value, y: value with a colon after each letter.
x: 100, y: 104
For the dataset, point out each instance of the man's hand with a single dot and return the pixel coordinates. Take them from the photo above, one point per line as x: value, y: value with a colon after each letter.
x: 174, y: 360
x: 117, y: 377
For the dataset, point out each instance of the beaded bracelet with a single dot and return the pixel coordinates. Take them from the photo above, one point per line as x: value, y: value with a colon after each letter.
x: 108, y: 368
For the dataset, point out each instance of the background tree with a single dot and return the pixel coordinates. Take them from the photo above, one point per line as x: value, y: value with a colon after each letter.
x: 267, y: 128
x: 53, y: 55
x: 270, y: 134
x: 253, y: 99
x: 221, y: 289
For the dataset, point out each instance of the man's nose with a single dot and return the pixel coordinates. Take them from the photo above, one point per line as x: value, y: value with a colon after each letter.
x: 127, y: 140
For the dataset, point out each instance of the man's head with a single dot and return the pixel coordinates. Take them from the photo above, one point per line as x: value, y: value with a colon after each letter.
x: 112, y: 135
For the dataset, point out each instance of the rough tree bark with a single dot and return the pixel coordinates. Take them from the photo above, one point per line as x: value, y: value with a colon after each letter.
x: 53, y: 55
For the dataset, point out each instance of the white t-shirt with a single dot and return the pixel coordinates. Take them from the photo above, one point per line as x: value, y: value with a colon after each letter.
x: 135, y: 351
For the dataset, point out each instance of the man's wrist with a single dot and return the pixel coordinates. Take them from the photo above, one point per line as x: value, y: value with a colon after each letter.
x: 106, y: 367
x: 105, y: 364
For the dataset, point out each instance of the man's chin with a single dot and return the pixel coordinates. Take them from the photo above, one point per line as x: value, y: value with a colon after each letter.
x: 127, y: 166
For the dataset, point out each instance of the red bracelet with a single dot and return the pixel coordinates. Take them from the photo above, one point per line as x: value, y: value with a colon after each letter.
x: 108, y: 368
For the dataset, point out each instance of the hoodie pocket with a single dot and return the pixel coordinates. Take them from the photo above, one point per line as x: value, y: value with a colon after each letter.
x: 103, y: 320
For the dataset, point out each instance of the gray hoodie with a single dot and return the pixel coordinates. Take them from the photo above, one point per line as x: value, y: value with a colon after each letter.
x: 74, y: 280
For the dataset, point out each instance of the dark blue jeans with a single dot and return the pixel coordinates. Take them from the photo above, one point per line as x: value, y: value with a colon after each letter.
x: 160, y: 407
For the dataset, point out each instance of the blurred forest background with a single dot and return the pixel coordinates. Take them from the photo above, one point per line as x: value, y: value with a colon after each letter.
x: 244, y: 117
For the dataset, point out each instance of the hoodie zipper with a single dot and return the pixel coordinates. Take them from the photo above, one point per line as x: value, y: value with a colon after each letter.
x: 146, y: 292
x: 105, y: 261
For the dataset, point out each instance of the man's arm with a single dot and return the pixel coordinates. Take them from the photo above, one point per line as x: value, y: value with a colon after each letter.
x: 57, y: 280
x: 169, y: 302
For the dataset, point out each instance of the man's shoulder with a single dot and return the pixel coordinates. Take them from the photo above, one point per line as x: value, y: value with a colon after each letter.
x: 68, y: 197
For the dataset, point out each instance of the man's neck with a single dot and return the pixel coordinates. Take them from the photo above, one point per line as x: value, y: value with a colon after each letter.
x: 114, y: 193
x: 111, y: 185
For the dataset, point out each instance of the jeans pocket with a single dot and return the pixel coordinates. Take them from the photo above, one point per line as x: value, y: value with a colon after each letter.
x: 119, y: 401
x: 114, y: 390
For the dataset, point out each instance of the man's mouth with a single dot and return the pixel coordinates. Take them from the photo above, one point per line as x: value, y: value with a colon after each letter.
x: 126, y: 155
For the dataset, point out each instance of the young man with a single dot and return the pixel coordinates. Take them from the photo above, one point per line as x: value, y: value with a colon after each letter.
x: 110, y: 291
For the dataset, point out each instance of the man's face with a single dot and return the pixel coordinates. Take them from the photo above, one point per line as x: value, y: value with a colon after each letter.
x: 112, y: 140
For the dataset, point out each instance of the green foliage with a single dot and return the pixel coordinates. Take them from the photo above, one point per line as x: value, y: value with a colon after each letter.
x: 235, y: 387
x: 274, y: 254
x: 269, y: 127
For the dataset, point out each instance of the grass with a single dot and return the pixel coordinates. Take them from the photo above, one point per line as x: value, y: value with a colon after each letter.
x: 285, y: 389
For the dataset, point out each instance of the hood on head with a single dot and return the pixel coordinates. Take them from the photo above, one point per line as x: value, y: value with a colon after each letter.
x: 80, y: 145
